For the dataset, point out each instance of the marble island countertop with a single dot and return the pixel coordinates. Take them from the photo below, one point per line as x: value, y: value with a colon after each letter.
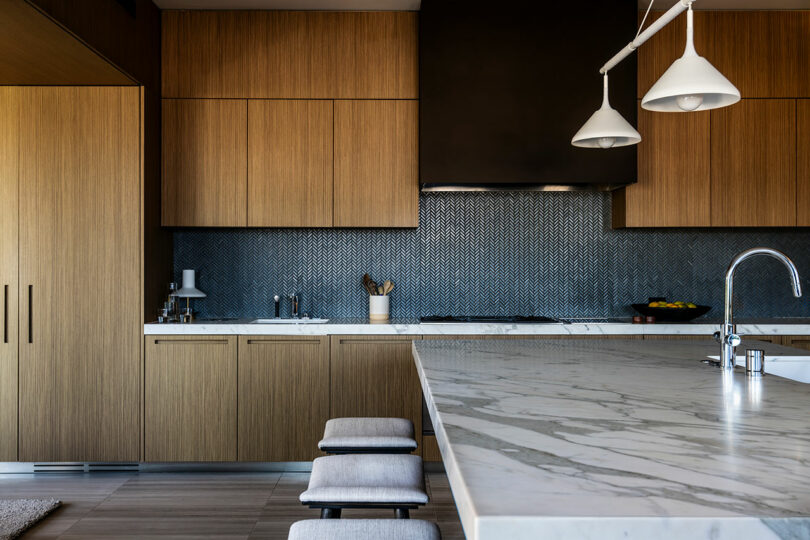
x: 786, y: 326
x: 610, y: 439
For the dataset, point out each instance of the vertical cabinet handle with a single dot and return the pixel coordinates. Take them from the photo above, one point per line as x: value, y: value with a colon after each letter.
x: 5, y: 313
x: 30, y: 314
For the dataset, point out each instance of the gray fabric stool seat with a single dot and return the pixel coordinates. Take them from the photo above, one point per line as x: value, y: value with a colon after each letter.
x: 364, y: 529
x: 368, y: 435
x: 395, y: 481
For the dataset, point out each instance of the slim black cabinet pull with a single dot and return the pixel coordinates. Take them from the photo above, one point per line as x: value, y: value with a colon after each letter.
x: 30, y: 314
x: 5, y: 313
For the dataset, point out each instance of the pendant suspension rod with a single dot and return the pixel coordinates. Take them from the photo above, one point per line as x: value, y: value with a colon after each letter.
x: 651, y: 30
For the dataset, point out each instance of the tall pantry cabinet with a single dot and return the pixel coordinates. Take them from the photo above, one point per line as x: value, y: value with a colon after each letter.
x: 73, y: 307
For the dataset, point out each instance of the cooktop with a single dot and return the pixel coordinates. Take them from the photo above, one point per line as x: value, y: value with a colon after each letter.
x: 485, y: 319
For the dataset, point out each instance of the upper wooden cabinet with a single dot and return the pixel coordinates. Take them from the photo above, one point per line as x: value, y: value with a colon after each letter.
x: 764, y: 53
x: 803, y: 162
x: 674, y: 172
x: 288, y: 54
x: 376, y: 164
x: 754, y: 164
x: 289, y: 163
x: 204, y: 163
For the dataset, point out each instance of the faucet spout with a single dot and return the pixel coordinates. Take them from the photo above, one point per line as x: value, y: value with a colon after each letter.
x: 728, y: 335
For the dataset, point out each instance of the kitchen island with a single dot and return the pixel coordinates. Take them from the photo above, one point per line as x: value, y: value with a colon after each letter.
x: 581, y: 439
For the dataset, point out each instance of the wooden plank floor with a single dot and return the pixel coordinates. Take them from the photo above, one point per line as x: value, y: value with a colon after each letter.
x: 192, y: 505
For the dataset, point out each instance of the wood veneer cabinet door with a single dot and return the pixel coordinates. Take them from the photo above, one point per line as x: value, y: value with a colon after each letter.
x: 290, y: 55
x: 9, y: 227
x: 190, y: 398
x: 674, y: 173
x: 800, y: 342
x: 376, y: 164
x: 289, y: 163
x: 754, y: 164
x: 80, y: 281
x: 204, y: 163
x: 803, y: 162
x: 764, y: 53
x: 283, y: 397
x: 375, y: 376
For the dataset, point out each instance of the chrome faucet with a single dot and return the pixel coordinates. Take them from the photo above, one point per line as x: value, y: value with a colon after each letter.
x: 728, y: 333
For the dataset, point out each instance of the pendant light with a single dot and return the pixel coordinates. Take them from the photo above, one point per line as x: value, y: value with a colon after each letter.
x: 691, y: 83
x: 606, y: 128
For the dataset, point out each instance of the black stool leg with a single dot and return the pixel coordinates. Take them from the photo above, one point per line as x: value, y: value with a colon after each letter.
x: 330, y: 513
x: 402, y: 513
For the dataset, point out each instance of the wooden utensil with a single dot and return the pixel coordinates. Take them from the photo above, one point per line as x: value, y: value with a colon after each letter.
x: 369, y: 285
x: 388, y: 286
x: 380, y: 291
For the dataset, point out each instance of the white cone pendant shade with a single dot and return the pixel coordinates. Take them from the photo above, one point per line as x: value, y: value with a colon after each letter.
x: 691, y: 83
x: 606, y: 128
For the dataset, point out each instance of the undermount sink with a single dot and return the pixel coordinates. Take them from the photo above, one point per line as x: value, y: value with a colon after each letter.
x: 289, y: 321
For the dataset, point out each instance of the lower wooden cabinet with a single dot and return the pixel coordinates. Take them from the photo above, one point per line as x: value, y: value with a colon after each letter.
x: 799, y: 342
x: 283, y: 397
x: 190, y: 398
x: 376, y: 376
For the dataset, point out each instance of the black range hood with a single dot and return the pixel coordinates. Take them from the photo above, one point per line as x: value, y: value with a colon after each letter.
x: 505, y: 85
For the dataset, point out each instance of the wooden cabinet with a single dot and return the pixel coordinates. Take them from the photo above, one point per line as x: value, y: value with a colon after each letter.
x: 204, y: 163
x: 9, y: 229
x: 754, y: 164
x: 376, y: 164
x: 290, y: 55
x: 375, y: 376
x: 799, y: 342
x: 764, y: 53
x: 289, y: 163
x: 283, y: 397
x: 752, y: 167
x: 190, y: 402
x: 291, y: 157
x: 79, y: 274
x: 674, y: 173
x: 803, y: 162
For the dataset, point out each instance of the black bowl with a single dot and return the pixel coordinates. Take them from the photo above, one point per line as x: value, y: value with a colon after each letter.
x: 671, y: 314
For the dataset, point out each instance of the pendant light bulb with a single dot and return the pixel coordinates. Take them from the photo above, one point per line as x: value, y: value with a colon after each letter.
x: 691, y: 83
x: 689, y: 103
x: 606, y: 142
x: 606, y: 128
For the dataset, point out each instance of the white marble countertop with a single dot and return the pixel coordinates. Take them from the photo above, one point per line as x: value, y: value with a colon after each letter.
x: 413, y: 327
x: 610, y: 439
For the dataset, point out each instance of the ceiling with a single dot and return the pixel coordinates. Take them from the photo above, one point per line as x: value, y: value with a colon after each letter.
x: 413, y: 5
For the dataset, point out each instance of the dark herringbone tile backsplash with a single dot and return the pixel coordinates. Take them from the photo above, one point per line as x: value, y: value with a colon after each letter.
x: 522, y: 253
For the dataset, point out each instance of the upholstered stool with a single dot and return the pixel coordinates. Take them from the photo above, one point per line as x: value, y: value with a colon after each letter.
x: 394, y: 481
x: 368, y: 435
x: 364, y: 529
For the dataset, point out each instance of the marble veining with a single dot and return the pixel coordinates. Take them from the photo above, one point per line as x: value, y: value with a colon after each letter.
x: 609, y: 439
x: 413, y: 327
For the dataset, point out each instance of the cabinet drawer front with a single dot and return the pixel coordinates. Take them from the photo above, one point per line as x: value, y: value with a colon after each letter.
x: 376, y: 376
x: 283, y: 397
x: 190, y: 398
